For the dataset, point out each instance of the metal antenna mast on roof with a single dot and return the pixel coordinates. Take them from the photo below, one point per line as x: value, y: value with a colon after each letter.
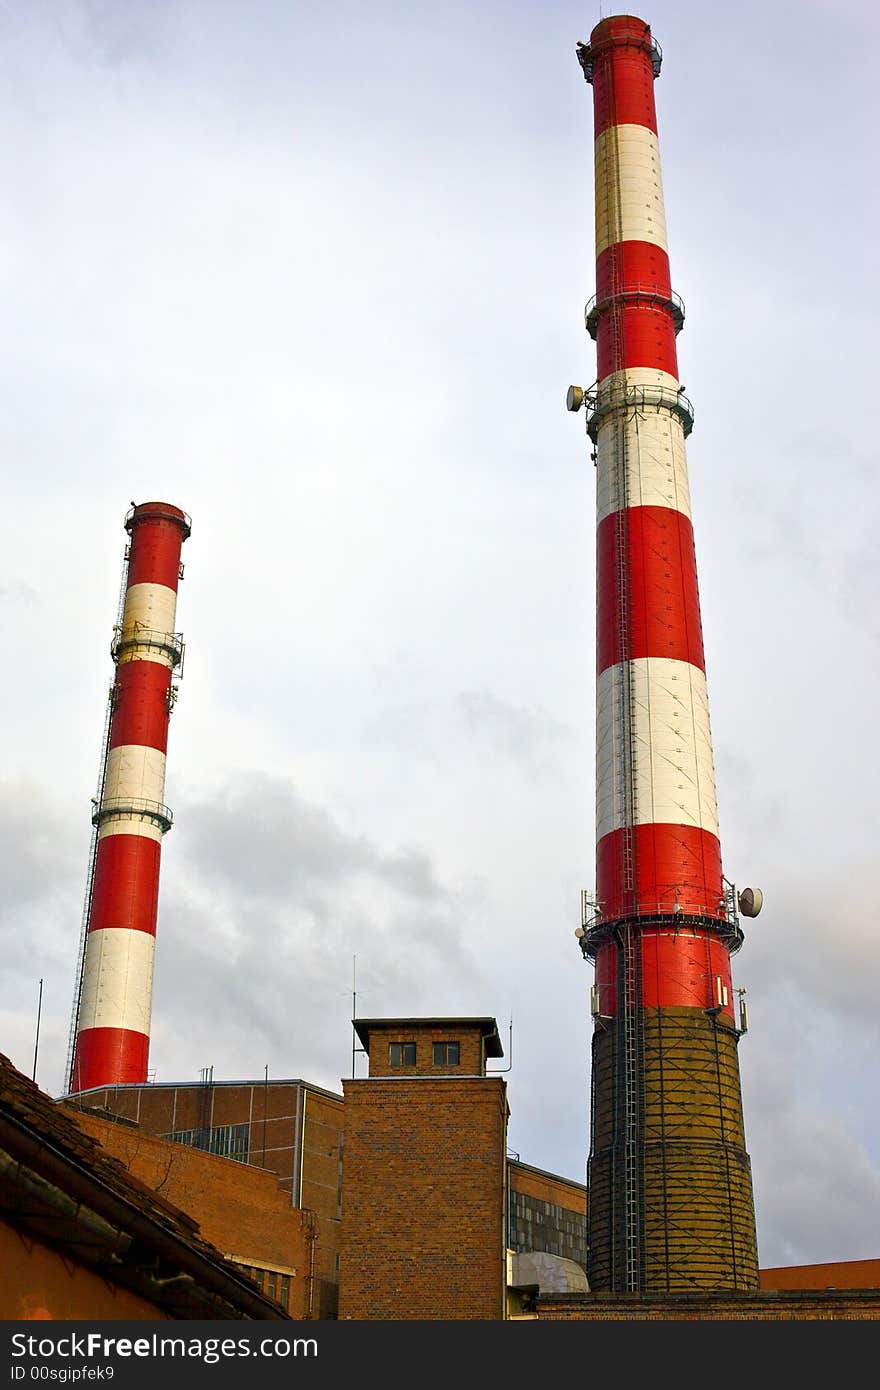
x: 37, y: 1037
x: 354, y: 1047
x: 354, y: 966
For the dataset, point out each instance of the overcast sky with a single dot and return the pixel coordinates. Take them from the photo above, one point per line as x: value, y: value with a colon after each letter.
x: 316, y: 274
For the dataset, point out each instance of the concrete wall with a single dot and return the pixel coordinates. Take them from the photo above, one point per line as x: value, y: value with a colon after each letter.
x: 36, y: 1283
x: 841, y: 1274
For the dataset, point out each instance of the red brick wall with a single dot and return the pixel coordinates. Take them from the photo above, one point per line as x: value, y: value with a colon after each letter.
x: 322, y: 1190
x: 546, y: 1187
x: 295, y: 1132
x: 470, y: 1041
x: 854, y: 1305
x: 243, y: 1211
x: 423, y: 1196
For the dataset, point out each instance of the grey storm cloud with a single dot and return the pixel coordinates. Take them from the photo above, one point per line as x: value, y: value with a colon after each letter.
x: 265, y: 840
x: 44, y: 854
x: 111, y: 35
x: 829, y: 950
x: 268, y: 903
x: 807, y: 1210
x: 39, y: 856
x: 532, y: 738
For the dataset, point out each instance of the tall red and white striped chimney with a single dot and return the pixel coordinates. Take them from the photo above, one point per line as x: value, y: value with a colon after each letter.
x: 116, y: 971
x: 670, y: 1203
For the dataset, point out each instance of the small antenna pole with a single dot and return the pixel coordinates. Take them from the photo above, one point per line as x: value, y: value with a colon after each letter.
x: 265, y: 1107
x: 499, y: 1070
x: 354, y: 966
x: 37, y: 1038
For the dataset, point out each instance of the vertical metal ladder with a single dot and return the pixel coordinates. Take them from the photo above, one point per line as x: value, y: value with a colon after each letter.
x: 93, y: 849
x: 629, y: 1059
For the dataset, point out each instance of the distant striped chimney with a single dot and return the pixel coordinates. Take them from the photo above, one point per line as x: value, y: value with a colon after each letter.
x: 115, y: 981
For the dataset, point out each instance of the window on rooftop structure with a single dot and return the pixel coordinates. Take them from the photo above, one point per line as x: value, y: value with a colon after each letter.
x: 446, y: 1054
x: 229, y: 1141
x: 402, y: 1054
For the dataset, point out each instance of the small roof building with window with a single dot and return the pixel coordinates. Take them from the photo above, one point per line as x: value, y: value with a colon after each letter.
x: 430, y: 1046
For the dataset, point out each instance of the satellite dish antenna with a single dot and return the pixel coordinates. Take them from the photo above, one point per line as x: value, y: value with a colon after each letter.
x: 750, y: 900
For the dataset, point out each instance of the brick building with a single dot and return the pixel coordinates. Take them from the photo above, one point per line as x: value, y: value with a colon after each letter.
x: 295, y: 1130
x: 777, y: 1305
x: 416, y: 1153
x: 289, y: 1128
x: 424, y: 1199
x: 244, y: 1211
x: 546, y: 1213
x: 82, y: 1237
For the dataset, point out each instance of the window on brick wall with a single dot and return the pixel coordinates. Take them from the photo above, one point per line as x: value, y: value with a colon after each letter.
x: 402, y: 1054
x: 229, y: 1141
x: 446, y: 1054
x: 272, y: 1281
